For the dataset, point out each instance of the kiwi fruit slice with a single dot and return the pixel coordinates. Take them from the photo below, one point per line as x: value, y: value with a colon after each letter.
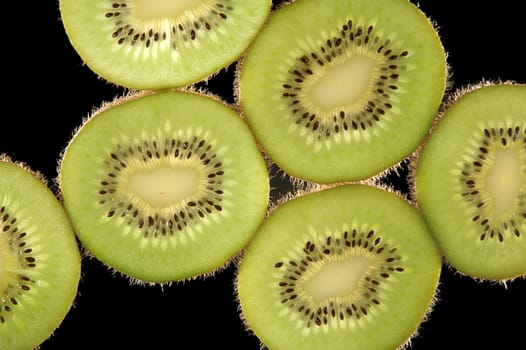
x: 151, y: 44
x: 470, y: 181
x: 165, y: 186
x: 40, y: 261
x: 348, y: 267
x: 348, y: 90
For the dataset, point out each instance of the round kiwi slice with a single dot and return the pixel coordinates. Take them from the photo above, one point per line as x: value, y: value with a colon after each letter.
x: 351, y: 267
x: 348, y: 90
x: 150, y: 44
x: 164, y: 186
x: 39, y: 258
x: 471, y: 181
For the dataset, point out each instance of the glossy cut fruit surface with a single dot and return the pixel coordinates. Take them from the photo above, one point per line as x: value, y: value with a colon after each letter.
x: 152, y: 44
x: 351, y: 267
x: 471, y: 181
x: 39, y: 259
x: 166, y: 186
x: 345, y: 90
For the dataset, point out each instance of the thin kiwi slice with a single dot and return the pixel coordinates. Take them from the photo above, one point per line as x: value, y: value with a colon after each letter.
x: 470, y: 181
x: 165, y: 186
x: 341, y: 90
x: 150, y: 44
x: 39, y: 258
x: 351, y: 267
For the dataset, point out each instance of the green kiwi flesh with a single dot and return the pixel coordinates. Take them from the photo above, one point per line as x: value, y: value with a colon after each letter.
x: 165, y: 186
x: 350, y: 267
x: 348, y: 90
x: 151, y: 44
x: 39, y: 258
x: 470, y: 181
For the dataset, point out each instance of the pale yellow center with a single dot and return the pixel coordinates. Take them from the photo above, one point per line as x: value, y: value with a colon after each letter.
x: 154, y: 9
x: 343, y: 83
x: 504, y: 180
x: 337, y: 278
x: 164, y: 186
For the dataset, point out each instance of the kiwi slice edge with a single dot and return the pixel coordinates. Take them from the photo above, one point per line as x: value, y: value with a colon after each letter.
x: 117, y: 178
x: 293, y: 280
x: 346, y: 140
x: 40, y: 261
x: 469, y: 180
x: 152, y: 44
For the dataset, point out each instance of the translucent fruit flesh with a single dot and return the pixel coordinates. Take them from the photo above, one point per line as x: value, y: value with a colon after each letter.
x: 146, y: 10
x: 471, y: 182
x: 352, y: 267
x: 173, y: 193
x: 157, y: 44
x: 349, y: 89
x: 39, y: 259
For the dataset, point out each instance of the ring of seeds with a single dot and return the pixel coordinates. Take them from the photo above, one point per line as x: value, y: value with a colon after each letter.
x: 497, y: 148
x: 16, y: 252
x: 296, y: 279
x: 140, y: 22
x: 356, y: 107
x: 195, y: 155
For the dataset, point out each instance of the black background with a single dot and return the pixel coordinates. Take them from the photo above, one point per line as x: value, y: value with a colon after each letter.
x: 47, y: 92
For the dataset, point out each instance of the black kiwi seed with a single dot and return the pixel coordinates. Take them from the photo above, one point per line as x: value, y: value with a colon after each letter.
x: 183, y: 28
x: 193, y: 209
x: 16, y: 240
x: 491, y: 138
x: 351, y: 36
x: 351, y: 242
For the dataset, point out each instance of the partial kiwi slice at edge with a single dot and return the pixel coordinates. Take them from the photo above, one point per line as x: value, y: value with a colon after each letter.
x: 40, y: 262
x: 349, y: 89
x: 349, y: 267
x: 165, y: 186
x: 152, y: 44
x: 470, y: 181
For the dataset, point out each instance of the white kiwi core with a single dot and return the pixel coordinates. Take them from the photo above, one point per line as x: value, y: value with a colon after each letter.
x: 504, y: 180
x: 164, y: 186
x: 343, y: 83
x: 337, y: 278
x: 155, y: 9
